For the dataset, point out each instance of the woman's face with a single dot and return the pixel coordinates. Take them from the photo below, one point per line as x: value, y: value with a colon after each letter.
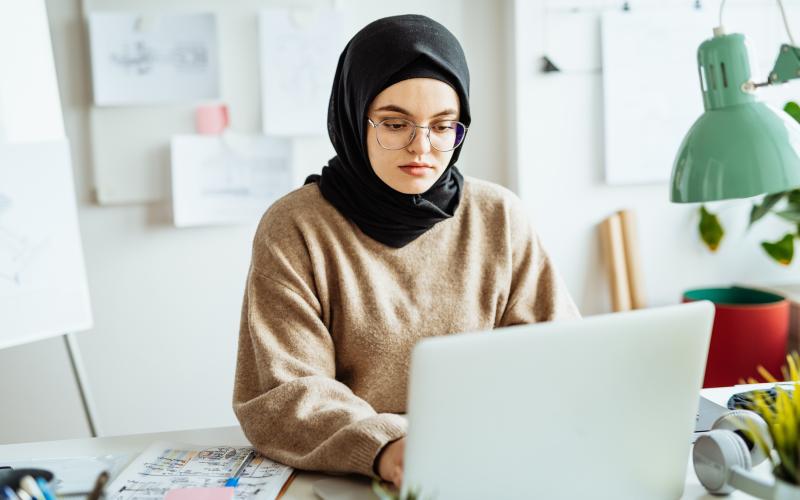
x: 424, y: 101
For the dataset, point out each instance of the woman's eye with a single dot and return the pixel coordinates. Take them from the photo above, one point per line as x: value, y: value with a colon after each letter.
x: 395, y: 126
x: 443, y: 127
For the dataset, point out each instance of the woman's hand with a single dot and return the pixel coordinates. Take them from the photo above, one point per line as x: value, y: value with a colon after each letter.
x: 390, y: 462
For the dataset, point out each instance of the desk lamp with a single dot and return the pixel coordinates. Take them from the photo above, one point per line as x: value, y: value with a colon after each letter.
x: 740, y: 147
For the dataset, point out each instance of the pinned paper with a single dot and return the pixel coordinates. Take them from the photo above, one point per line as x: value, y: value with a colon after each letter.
x: 228, y: 179
x: 299, y: 50
x: 153, y: 59
x: 200, y: 494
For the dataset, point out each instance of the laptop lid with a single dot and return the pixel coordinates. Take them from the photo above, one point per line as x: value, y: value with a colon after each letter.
x: 602, y: 407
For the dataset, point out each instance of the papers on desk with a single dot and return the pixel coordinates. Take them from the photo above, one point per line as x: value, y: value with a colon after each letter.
x: 168, y: 466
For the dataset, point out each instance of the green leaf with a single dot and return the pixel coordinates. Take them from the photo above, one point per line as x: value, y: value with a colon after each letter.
x: 711, y: 230
x: 794, y: 197
x: 762, y: 209
x: 384, y: 490
x: 792, y: 215
x: 793, y: 109
x: 781, y: 251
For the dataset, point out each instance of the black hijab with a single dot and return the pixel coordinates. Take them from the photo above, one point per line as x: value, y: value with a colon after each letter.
x: 385, y: 52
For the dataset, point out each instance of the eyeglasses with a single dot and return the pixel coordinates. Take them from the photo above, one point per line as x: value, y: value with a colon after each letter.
x: 397, y: 133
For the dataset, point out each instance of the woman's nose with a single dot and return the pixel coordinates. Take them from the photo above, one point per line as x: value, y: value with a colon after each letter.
x: 421, y: 143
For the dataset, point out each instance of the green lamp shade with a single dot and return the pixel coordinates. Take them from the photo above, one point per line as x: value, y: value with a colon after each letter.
x: 737, y: 152
x: 739, y: 147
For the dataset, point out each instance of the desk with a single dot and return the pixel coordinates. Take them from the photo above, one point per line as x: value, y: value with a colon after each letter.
x: 300, y: 489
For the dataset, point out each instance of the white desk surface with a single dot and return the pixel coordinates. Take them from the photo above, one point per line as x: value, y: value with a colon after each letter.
x: 300, y: 489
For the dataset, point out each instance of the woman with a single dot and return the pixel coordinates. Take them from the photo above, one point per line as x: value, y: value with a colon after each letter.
x: 390, y: 244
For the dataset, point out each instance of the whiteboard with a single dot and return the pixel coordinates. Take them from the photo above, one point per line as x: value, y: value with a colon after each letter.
x: 43, y: 289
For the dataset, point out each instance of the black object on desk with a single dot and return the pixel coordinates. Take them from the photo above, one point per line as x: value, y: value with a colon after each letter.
x: 11, y: 477
x: 744, y: 400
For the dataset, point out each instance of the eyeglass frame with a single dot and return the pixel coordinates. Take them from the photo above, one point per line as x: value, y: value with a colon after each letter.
x: 414, y: 134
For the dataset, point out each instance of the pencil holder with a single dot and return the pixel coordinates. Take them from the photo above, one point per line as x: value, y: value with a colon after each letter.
x: 11, y: 477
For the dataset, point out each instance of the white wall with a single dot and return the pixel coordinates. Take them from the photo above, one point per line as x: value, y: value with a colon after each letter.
x: 166, y: 301
x: 559, y: 174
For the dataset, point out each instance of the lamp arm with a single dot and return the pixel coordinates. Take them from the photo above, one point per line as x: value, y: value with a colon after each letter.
x: 787, y: 65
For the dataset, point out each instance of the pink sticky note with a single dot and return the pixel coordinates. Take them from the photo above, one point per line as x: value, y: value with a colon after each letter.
x: 211, y: 119
x: 200, y: 494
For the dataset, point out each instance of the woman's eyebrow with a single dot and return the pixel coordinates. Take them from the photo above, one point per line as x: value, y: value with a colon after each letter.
x: 398, y: 109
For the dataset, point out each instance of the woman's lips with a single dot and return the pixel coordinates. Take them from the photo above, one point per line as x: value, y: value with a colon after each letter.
x: 416, y: 170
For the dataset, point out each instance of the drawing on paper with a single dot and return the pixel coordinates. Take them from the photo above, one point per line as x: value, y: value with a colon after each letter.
x: 17, y: 250
x: 153, y: 59
x: 139, y: 58
x: 298, y: 62
x: 43, y: 289
x: 167, y: 466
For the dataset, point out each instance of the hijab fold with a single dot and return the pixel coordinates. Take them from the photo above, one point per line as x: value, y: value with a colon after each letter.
x: 383, y: 53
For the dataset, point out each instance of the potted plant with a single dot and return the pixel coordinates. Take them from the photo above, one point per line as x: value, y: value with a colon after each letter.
x: 781, y: 412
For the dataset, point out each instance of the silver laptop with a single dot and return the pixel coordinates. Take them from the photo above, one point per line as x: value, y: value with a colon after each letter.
x: 602, y: 407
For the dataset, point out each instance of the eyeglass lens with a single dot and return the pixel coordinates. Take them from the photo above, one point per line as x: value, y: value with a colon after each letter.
x: 398, y: 133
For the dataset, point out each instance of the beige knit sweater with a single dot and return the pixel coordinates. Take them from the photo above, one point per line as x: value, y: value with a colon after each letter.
x: 330, y: 317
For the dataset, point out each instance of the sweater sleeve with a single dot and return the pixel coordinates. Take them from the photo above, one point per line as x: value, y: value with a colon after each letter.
x: 286, y: 396
x: 537, y: 291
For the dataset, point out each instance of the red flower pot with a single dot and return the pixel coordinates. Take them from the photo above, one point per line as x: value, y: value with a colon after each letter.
x: 750, y: 329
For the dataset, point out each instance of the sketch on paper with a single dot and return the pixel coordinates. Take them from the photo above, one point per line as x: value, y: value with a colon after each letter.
x: 43, y: 288
x: 299, y: 50
x: 140, y: 59
x: 227, y: 179
x: 18, y: 248
x: 168, y: 466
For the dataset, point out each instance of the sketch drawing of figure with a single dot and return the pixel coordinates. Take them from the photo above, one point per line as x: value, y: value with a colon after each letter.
x: 17, y: 251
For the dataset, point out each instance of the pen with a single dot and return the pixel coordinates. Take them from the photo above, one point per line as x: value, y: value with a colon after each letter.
x: 48, y: 493
x: 28, y: 483
x: 9, y: 493
x: 234, y: 480
x: 99, y: 484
